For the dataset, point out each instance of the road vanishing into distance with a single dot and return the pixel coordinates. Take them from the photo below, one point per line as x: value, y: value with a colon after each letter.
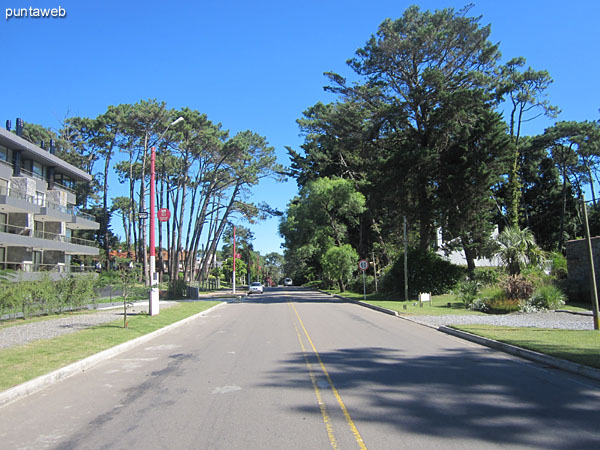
x: 296, y: 369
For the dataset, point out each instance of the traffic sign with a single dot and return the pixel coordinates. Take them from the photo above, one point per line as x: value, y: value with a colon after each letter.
x: 363, y: 264
x: 163, y: 215
x: 143, y: 214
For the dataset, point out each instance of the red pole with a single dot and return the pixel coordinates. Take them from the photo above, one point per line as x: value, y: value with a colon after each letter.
x: 234, y: 259
x: 152, y: 205
x: 234, y: 249
x: 153, y: 304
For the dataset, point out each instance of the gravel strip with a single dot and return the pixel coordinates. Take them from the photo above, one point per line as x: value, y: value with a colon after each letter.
x: 558, y: 320
x: 48, y: 329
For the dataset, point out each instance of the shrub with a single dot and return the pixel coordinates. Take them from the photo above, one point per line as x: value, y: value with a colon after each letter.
x: 547, y: 297
x: 516, y: 287
x: 479, y: 305
x: 487, y: 276
x: 504, y: 305
x: 467, y: 291
x: 427, y: 272
x: 313, y: 284
x: 559, y: 266
x: 356, y: 285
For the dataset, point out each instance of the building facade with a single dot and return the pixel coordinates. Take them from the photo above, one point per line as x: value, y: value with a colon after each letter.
x: 38, y: 218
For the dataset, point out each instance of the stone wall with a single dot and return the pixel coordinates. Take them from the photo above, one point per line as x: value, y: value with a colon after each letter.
x: 579, y: 280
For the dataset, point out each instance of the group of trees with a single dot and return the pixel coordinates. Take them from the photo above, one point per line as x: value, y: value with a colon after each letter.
x: 250, y: 265
x: 203, y: 176
x: 431, y: 133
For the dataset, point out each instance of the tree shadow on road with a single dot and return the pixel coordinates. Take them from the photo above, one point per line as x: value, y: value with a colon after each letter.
x: 472, y: 395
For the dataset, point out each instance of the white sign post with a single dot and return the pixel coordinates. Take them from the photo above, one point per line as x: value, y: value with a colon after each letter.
x: 363, y: 265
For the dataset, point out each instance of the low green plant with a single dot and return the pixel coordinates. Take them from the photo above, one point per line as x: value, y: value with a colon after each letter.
x: 547, y: 297
x: 356, y: 285
x: 479, y: 305
x: 504, y: 305
x: 313, y: 284
x: 467, y: 292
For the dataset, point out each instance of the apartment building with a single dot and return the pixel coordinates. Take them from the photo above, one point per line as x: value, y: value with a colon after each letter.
x: 38, y: 218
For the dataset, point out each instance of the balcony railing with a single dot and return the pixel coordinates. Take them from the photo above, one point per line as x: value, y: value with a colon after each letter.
x: 15, y: 193
x: 23, y: 231
x: 29, y: 266
x: 31, y: 174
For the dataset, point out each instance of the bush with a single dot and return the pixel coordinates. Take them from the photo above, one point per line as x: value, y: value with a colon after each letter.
x: 504, y: 305
x: 479, y: 305
x: 516, y: 287
x: 467, y: 291
x: 427, y: 272
x: 547, y: 297
x: 487, y: 276
x: 356, y: 285
x: 559, y: 266
x: 313, y: 284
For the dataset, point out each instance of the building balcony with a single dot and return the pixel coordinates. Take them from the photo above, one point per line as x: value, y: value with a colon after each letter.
x: 16, y: 201
x: 14, y: 236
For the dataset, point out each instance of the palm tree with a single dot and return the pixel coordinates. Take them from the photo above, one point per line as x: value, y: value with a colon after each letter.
x: 517, y: 248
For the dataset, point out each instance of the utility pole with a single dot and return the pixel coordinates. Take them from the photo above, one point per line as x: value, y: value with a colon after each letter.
x: 374, y: 270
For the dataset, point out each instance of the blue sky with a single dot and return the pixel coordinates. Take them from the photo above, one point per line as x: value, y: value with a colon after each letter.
x: 256, y: 65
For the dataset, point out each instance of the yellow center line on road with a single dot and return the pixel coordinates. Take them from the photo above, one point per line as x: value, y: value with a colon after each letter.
x: 320, y: 401
x: 336, y: 394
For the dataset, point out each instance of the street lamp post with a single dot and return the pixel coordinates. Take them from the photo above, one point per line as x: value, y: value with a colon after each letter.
x: 153, y: 307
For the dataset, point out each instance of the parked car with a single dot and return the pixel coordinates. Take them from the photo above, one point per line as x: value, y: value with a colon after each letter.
x: 255, y: 288
x: 287, y: 282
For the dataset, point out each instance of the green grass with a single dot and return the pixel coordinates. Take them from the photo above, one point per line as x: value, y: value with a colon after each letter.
x: 23, y: 363
x: 579, y: 346
x: 577, y: 307
x: 437, y: 307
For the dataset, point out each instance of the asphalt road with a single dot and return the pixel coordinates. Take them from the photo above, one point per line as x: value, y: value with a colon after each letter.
x: 294, y: 369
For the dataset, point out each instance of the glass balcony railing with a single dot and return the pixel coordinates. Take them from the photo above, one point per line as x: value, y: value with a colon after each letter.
x: 13, y: 229
x: 15, y: 193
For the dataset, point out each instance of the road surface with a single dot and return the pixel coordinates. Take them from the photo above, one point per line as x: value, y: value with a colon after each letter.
x: 295, y: 369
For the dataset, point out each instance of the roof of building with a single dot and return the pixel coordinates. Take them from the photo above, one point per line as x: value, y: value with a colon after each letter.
x: 36, y: 153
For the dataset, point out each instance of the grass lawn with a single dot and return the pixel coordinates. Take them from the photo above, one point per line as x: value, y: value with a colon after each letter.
x: 579, y: 346
x: 20, y: 364
x: 437, y: 307
x: 578, y: 307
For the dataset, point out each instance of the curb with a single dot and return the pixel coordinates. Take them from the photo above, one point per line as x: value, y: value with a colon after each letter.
x: 39, y: 383
x: 366, y: 305
x: 562, y: 364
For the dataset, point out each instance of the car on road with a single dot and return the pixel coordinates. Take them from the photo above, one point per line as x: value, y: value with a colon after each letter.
x: 255, y: 288
x: 287, y: 282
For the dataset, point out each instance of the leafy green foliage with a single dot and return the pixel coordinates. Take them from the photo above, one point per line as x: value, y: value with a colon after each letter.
x: 339, y: 263
x: 547, y: 297
x: 467, y: 292
x: 427, y: 272
x: 487, y: 276
x: 517, y: 248
x: 47, y: 296
x: 322, y: 216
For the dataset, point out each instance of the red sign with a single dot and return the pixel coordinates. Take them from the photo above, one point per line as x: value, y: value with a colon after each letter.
x: 163, y: 215
x: 238, y: 256
x: 363, y: 264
